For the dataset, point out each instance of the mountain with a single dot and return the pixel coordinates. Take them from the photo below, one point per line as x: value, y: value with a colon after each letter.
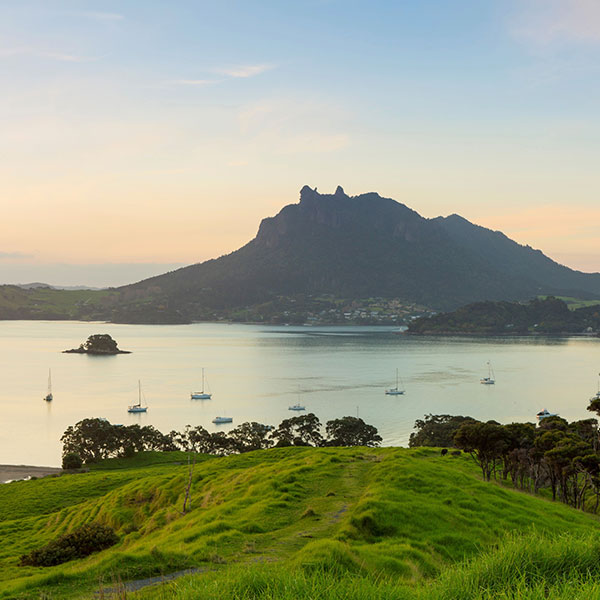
x: 365, y: 246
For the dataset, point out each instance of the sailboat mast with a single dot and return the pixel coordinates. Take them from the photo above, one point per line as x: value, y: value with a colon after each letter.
x: 396, y: 378
x: 139, y: 393
x: 203, y: 380
x: 49, y: 381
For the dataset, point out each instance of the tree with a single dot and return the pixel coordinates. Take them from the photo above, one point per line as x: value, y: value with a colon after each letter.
x: 71, y: 461
x: 251, y: 436
x: 101, y: 343
x: 303, y: 430
x: 92, y: 439
x: 485, y: 442
x: 437, y: 430
x: 351, y: 431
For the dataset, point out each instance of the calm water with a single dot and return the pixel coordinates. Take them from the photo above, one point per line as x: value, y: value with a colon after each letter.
x: 256, y: 372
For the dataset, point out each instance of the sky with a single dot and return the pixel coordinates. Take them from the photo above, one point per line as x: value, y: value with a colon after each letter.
x: 136, y: 136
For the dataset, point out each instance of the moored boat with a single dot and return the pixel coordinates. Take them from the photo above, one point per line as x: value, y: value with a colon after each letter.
x: 201, y: 395
x: 395, y: 391
x: 219, y: 420
x: 138, y: 408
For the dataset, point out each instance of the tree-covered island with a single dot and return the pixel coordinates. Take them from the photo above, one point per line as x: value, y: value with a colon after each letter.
x: 99, y: 344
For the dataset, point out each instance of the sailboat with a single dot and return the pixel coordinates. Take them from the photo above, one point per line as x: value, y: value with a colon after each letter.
x: 395, y: 391
x: 48, y: 397
x: 202, y: 395
x: 490, y: 379
x: 138, y: 408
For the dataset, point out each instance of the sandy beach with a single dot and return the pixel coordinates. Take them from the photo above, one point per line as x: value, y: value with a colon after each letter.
x: 10, y: 472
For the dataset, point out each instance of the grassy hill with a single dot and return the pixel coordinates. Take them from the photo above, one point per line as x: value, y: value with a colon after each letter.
x: 297, y: 523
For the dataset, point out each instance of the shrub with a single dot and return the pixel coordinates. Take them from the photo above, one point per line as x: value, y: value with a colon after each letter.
x: 72, y: 460
x: 80, y: 543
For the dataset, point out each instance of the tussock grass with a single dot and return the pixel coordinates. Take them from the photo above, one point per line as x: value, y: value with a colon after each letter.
x: 268, y: 521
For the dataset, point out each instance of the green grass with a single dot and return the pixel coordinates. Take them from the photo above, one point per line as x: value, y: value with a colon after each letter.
x: 343, y: 522
x: 531, y: 567
x: 49, y: 303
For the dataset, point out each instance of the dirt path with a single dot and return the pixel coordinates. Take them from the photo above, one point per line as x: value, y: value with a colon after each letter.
x: 138, y: 584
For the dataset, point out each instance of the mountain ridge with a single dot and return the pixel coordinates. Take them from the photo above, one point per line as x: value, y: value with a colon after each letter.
x: 322, y: 258
x: 364, y: 246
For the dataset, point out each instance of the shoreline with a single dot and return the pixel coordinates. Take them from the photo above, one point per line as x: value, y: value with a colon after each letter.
x: 17, y: 472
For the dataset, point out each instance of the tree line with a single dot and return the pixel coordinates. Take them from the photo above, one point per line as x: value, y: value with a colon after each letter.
x: 556, y: 455
x: 91, y: 440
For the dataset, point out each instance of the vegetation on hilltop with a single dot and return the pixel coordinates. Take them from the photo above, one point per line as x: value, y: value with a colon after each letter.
x: 92, y: 440
x: 539, y: 316
x: 558, y: 456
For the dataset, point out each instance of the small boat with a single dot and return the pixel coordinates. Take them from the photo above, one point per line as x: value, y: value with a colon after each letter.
x: 138, y: 408
x: 296, y: 407
x: 543, y: 414
x: 202, y: 395
x: 218, y: 420
x: 48, y: 397
x: 490, y: 379
x: 395, y: 391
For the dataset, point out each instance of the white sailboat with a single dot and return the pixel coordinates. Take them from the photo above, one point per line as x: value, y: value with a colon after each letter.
x: 297, y: 406
x: 48, y: 397
x: 395, y: 391
x: 202, y: 395
x: 490, y: 379
x: 138, y: 408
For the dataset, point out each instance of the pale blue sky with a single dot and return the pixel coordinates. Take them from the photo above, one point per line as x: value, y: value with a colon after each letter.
x: 162, y: 132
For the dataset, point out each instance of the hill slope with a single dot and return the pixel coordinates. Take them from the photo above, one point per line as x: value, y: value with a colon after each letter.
x: 365, y: 246
x: 392, y: 515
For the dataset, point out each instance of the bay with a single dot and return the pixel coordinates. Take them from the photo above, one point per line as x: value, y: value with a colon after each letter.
x: 256, y: 372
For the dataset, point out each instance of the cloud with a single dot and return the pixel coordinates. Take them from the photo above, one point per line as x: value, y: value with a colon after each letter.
x: 244, y: 71
x: 60, y: 56
x: 543, y: 22
x: 237, y: 72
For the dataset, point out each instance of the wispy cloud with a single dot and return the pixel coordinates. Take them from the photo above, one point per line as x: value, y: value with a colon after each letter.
x: 545, y: 21
x: 60, y: 56
x: 232, y: 72
x: 244, y: 71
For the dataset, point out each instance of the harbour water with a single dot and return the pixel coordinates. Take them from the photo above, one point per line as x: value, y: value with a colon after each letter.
x: 256, y: 372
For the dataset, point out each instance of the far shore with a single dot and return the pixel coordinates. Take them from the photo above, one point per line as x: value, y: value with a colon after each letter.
x: 12, y: 472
